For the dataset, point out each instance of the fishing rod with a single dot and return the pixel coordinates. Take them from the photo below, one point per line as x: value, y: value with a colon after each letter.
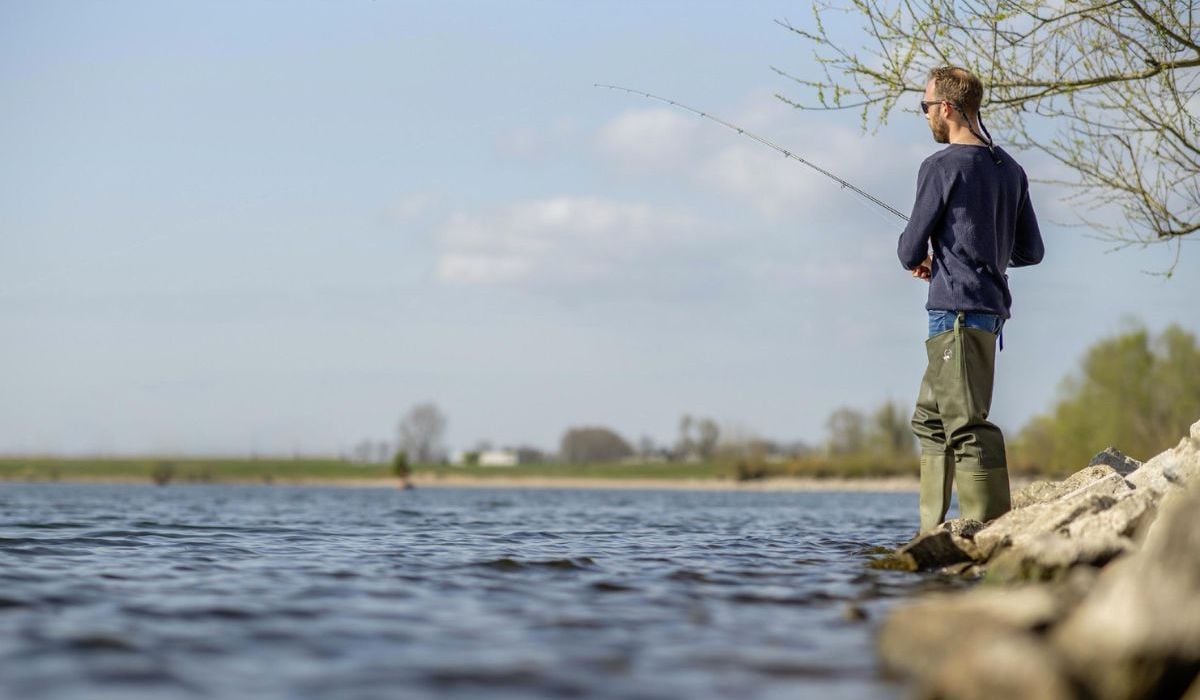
x: 788, y: 154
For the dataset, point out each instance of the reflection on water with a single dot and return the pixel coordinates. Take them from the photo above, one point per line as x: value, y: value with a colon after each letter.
x: 142, y: 592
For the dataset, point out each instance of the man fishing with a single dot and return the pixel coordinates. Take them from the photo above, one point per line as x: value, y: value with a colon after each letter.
x: 971, y: 221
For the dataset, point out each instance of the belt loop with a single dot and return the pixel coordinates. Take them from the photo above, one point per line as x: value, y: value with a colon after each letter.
x: 960, y: 320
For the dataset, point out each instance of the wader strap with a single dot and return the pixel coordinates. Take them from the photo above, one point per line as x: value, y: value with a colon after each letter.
x: 961, y: 320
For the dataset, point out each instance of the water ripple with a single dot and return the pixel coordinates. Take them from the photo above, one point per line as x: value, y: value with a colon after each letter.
x: 272, y: 593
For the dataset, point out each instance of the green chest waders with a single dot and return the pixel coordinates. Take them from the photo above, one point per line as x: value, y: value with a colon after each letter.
x: 950, y: 421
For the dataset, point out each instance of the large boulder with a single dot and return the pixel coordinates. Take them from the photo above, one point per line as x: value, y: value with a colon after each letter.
x: 1025, y: 524
x: 1171, y: 469
x: 1125, y: 629
x: 1046, y: 491
x: 983, y: 645
x: 1138, y: 633
x: 945, y: 545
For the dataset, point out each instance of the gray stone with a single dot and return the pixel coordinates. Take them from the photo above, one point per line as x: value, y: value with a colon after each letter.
x: 916, y: 639
x: 1046, y: 491
x: 1137, y: 634
x: 947, y: 544
x: 1118, y: 460
x: 1017, y: 526
x: 1012, y: 665
x: 1050, y: 557
x: 1172, y: 469
x: 1131, y: 512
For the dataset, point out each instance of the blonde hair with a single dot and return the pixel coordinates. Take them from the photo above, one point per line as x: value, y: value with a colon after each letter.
x: 958, y: 85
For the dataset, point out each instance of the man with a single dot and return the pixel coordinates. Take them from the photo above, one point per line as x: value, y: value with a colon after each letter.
x: 973, y: 210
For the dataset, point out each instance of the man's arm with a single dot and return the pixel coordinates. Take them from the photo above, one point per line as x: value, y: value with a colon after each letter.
x: 913, y: 247
x: 1027, y: 245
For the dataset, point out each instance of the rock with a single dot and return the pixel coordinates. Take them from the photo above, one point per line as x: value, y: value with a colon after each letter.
x: 1017, y: 526
x: 1121, y: 462
x: 1128, y: 630
x: 1014, y: 665
x: 1172, y: 469
x: 947, y: 544
x: 1046, y: 491
x: 1131, y: 512
x: 1137, y: 634
x: 916, y: 640
x: 1050, y: 557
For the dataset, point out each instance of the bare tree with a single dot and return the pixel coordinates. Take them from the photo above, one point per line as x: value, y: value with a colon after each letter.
x: 1108, y: 88
x: 420, y: 433
x: 706, y: 444
x: 686, y: 445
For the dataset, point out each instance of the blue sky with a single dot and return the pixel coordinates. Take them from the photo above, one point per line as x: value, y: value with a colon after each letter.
x: 273, y: 227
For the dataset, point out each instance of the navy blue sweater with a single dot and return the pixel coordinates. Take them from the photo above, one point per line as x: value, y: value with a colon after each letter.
x: 978, y: 216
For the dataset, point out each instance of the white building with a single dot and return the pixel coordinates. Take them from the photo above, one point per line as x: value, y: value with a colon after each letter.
x: 499, y: 458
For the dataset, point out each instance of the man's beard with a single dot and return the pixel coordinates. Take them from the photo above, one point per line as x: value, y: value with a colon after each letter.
x: 940, y: 129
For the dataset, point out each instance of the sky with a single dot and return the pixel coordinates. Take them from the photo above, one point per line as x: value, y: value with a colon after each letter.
x: 272, y: 227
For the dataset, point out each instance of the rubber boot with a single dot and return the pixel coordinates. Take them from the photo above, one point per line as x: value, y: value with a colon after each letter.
x: 983, y: 494
x: 937, y: 478
x: 960, y: 376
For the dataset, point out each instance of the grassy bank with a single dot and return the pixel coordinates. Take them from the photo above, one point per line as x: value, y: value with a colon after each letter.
x: 199, y: 470
x: 186, y: 470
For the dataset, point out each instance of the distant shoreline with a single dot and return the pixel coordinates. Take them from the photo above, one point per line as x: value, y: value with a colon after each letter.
x: 901, y: 484
x: 780, y: 484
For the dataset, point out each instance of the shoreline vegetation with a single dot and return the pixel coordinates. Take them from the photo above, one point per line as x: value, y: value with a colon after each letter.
x: 811, y: 475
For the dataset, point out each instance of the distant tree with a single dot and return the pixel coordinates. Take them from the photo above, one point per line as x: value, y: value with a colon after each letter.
x: 706, y: 442
x: 1107, y: 88
x: 686, y: 446
x: 400, y: 466
x: 593, y: 444
x: 890, y: 432
x: 420, y: 433
x: 847, y: 432
x: 1134, y: 392
x: 646, y: 446
x: 383, y: 451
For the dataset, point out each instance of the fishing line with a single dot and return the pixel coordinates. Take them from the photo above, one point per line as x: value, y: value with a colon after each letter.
x: 769, y: 144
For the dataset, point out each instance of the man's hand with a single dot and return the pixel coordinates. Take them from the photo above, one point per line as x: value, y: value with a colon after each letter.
x: 925, y: 270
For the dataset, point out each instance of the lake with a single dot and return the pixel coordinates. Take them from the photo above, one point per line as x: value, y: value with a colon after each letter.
x: 122, y: 591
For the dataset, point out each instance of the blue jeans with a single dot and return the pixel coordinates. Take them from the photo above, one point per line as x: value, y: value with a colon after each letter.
x: 942, y: 321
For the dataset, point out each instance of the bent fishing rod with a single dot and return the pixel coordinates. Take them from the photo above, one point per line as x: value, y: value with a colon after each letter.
x: 769, y: 144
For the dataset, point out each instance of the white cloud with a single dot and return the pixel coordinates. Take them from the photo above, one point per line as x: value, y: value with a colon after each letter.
x: 569, y: 241
x: 660, y: 142
x: 653, y: 139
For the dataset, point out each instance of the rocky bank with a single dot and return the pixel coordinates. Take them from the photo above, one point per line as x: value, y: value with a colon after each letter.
x: 1090, y: 589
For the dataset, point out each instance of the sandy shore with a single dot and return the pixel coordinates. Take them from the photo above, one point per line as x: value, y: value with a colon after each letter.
x: 779, y: 484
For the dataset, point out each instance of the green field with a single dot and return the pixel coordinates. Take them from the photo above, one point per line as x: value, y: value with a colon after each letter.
x: 224, y: 470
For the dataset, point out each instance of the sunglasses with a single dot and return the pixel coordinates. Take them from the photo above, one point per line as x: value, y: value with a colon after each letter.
x: 926, y: 105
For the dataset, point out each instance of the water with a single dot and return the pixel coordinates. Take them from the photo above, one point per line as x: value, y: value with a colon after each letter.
x: 218, y: 591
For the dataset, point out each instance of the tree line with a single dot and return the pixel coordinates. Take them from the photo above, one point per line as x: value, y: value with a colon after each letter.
x: 1135, y: 391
